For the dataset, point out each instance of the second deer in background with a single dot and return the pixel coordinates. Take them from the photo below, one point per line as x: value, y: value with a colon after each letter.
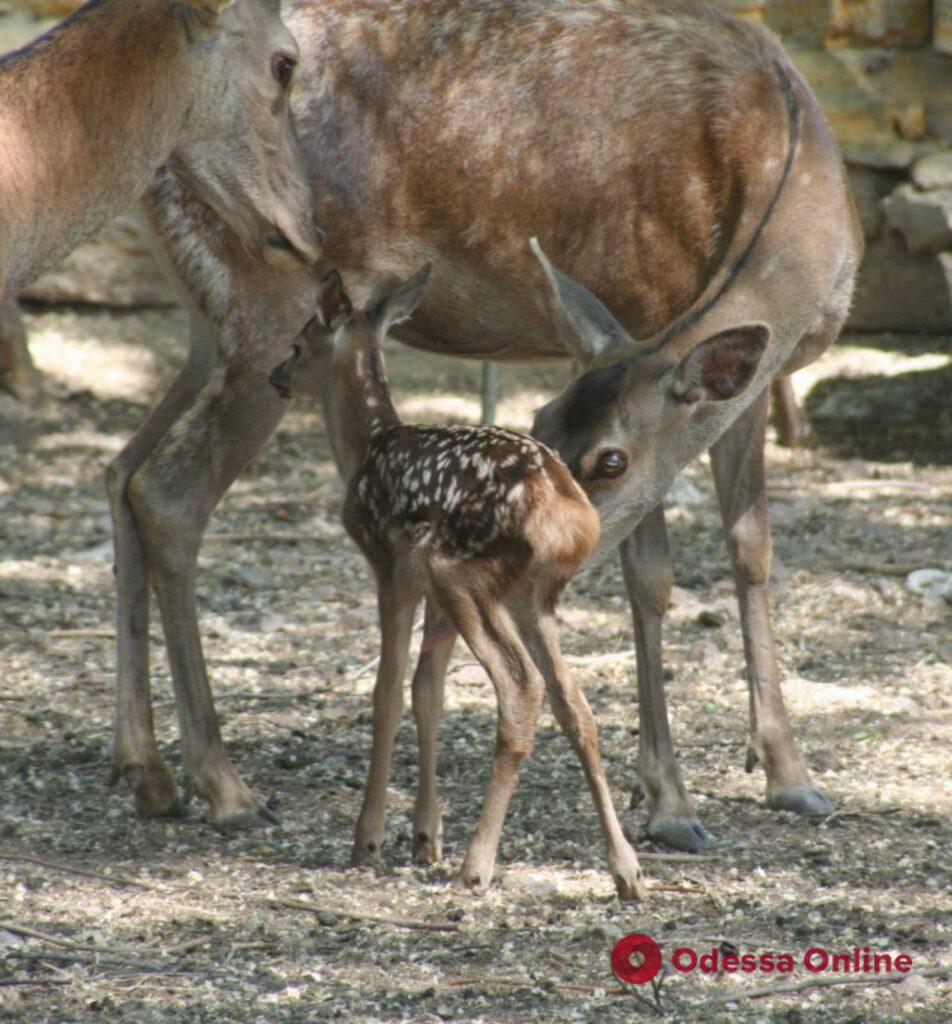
x: 490, y: 526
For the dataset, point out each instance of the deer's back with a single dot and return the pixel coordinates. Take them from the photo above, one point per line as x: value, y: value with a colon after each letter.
x: 629, y: 136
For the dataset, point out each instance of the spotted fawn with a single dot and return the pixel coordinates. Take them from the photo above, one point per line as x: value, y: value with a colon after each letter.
x: 486, y: 523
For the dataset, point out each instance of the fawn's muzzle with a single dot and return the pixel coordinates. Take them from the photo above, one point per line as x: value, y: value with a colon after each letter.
x: 279, y: 378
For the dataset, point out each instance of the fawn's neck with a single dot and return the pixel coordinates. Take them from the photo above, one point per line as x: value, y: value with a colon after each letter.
x: 357, y: 400
x: 87, y: 113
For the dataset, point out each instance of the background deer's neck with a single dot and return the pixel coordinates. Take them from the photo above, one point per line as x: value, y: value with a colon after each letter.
x: 87, y: 114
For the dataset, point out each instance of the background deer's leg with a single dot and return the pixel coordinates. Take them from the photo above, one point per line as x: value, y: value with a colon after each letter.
x: 18, y: 376
x: 737, y: 460
x: 536, y: 620
x: 427, y: 689
x: 136, y: 758
x: 488, y: 629
x: 646, y: 565
x: 171, y: 496
x: 397, y: 603
x: 791, y: 423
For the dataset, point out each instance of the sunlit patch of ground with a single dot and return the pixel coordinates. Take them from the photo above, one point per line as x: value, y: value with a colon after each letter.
x: 289, y: 621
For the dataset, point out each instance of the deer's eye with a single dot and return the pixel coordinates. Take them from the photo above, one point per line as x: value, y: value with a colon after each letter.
x: 296, y: 349
x: 611, y: 463
x: 282, y: 68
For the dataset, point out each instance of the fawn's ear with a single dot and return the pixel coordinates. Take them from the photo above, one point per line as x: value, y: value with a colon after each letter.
x: 590, y: 329
x: 398, y: 304
x: 333, y: 305
x: 721, y: 366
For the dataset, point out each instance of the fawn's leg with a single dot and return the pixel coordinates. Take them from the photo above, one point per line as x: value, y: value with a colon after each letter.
x: 135, y: 755
x: 737, y: 460
x: 538, y: 626
x: 646, y: 565
x: 427, y: 690
x: 397, y: 604
x: 487, y: 628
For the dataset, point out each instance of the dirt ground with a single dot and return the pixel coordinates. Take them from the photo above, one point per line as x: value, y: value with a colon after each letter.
x: 181, y: 923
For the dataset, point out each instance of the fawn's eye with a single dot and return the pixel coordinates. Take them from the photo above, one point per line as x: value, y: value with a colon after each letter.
x: 296, y: 349
x: 611, y: 463
x: 282, y: 68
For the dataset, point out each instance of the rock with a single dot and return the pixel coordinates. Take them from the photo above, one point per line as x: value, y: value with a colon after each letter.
x: 942, y: 38
x: 116, y: 268
x: 883, y: 156
x: 903, y: 291
x: 924, y: 218
x: 934, y: 584
x: 683, y: 492
x: 709, y: 619
x: 933, y: 171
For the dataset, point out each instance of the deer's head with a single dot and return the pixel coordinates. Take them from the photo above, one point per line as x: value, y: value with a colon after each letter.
x: 239, y: 151
x: 621, y: 427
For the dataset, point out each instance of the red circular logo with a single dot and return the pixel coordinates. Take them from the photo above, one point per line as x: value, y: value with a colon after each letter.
x: 629, y: 946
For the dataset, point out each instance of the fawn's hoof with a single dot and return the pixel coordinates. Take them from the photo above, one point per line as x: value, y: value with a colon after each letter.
x: 427, y: 849
x: 685, y: 834
x: 801, y: 799
x: 365, y: 851
x: 630, y: 890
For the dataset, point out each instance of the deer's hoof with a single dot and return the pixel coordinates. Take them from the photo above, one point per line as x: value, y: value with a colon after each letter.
x: 802, y: 799
x: 153, y: 789
x: 471, y: 880
x: 680, y: 834
x: 247, y: 819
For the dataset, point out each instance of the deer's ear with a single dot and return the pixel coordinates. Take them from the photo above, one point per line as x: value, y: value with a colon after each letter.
x: 590, y: 329
x: 397, y: 304
x: 333, y: 306
x: 208, y: 9
x: 721, y: 366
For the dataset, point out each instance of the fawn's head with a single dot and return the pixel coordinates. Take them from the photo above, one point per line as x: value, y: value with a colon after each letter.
x: 340, y: 343
x: 239, y: 152
x: 621, y: 425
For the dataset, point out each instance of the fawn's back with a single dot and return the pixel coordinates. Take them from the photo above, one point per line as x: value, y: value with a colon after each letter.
x: 469, y: 492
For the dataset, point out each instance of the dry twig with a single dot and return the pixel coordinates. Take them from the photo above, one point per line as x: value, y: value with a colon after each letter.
x: 81, y: 872
x: 396, y: 922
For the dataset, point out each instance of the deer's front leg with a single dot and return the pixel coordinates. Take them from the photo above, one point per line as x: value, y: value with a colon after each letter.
x: 646, y: 565
x: 135, y: 755
x: 171, y: 497
x: 397, y: 604
x: 737, y: 460
x: 427, y: 689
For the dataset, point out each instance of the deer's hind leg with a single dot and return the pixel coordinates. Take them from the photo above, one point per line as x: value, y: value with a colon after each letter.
x: 397, y: 599
x: 471, y: 599
x: 534, y: 612
x: 18, y: 376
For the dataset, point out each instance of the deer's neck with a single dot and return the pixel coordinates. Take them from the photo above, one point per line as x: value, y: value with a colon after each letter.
x: 87, y: 114
x: 361, y: 406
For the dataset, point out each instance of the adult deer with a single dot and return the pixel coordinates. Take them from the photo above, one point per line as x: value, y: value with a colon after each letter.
x: 91, y: 109
x: 667, y: 156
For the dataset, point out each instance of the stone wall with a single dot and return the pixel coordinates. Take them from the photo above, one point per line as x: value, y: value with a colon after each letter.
x: 882, y: 69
